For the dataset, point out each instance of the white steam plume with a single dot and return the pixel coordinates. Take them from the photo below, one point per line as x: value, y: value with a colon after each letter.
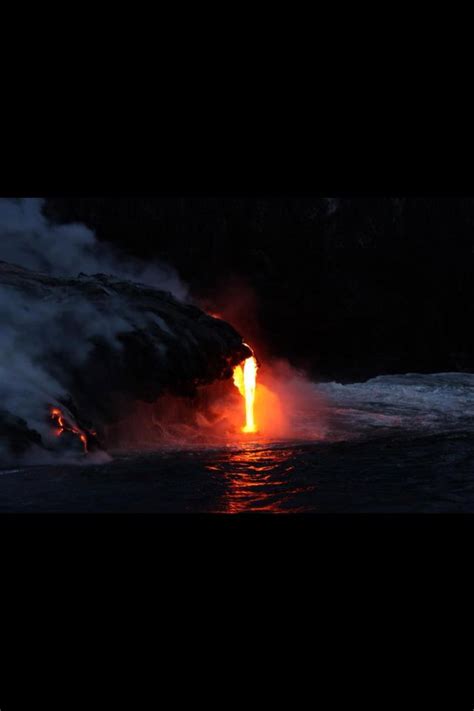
x: 29, y: 239
x: 38, y: 334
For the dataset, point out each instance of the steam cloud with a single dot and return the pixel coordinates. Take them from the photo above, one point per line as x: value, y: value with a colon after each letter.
x: 32, y: 330
x: 29, y: 239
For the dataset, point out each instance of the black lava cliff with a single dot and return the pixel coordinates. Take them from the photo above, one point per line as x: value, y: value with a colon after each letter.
x: 158, y: 345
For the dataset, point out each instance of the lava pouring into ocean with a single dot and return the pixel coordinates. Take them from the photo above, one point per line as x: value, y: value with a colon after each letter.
x: 245, y: 379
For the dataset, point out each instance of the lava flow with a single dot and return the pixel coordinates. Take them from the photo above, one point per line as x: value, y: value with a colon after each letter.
x: 63, y: 426
x: 245, y: 379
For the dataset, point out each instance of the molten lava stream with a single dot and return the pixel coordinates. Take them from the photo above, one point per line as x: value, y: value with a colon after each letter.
x: 60, y: 421
x: 245, y: 379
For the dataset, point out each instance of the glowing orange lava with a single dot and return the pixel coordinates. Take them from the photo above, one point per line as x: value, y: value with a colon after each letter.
x: 63, y: 426
x: 245, y: 379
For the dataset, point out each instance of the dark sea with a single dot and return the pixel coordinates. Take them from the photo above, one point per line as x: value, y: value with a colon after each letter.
x: 398, y: 443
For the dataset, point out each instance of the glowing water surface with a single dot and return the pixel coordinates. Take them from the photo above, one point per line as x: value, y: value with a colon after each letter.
x: 394, y: 444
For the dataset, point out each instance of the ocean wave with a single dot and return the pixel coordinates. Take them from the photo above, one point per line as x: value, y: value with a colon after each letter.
x: 434, y: 402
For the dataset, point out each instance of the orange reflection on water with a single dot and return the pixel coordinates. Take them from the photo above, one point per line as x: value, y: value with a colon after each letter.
x: 257, y: 480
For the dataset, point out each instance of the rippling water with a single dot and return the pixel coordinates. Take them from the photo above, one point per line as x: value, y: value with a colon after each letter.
x: 395, y: 443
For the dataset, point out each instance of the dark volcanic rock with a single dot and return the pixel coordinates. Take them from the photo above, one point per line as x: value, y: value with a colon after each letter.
x: 135, y: 342
x: 16, y: 433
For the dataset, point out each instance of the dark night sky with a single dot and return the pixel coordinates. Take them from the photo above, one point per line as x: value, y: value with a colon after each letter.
x: 347, y: 287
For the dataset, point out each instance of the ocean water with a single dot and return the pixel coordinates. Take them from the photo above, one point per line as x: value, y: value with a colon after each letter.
x: 399, y: 443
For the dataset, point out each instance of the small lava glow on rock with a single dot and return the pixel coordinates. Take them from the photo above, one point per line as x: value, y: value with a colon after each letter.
x: 64, y: 426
